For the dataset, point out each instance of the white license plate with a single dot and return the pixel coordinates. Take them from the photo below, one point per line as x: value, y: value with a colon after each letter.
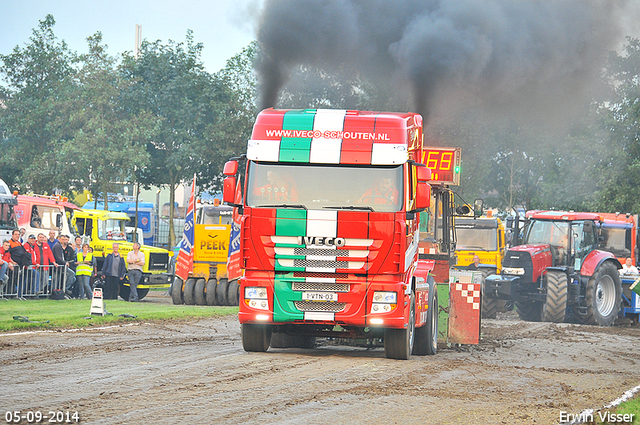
x: 320, y: 296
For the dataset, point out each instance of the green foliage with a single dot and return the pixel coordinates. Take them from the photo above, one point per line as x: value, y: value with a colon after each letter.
x: 103, y: 141
x: 37, y: 76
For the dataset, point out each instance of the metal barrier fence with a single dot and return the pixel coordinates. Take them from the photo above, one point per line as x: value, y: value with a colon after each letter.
x: 35, y: 281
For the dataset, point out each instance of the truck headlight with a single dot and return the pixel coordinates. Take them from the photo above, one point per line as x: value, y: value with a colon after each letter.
x: 255, y: 292
x: 256, y: 297
x: 519, y: 271
x: 385, y: 297
x: 383, y: 302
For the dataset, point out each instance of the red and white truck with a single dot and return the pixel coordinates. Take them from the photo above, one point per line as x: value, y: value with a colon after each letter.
x: 329, y: 204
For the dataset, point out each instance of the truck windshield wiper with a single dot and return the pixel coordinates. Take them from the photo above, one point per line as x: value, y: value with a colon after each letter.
x: 466, y: 247
x: 300, y: 206
x: 351, y: 207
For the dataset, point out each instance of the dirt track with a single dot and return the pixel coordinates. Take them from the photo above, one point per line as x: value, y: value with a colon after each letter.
x: 521, y: 373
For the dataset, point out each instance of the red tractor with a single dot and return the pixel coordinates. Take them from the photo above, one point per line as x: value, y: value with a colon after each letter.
x: 559, y: 274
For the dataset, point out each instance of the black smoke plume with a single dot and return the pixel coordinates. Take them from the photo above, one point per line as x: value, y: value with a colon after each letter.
x: 498, y: 54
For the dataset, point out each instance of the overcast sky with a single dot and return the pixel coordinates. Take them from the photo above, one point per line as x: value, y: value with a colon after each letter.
x: 223, y: 26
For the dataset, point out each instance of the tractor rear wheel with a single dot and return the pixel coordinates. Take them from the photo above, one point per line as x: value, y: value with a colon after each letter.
x: 176, y: 291
x: 531, y: 311
x: 221, y: 292
x: 398, y: 343
x: 256, y: 337
x: 189, y: 299
x: 198, y: 292
x: 427, y: 335
x: 555, y: 307
x: 211, y: 292
x: 603, y: 296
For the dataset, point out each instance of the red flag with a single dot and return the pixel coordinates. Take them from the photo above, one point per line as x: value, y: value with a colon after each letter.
x: 184, y: 263
x: 234, y: 267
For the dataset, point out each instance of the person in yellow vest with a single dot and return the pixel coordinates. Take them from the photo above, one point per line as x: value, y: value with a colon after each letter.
x: 85, y: 268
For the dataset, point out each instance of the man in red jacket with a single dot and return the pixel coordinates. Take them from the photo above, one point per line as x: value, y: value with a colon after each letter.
x: 32, y: 282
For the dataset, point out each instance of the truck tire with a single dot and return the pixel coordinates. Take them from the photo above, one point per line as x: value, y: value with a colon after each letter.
x: 603, y: 296
x: 426, y: 342
x: 124, y: 292
x: 398, y: 343
x: 176, y: 291
x: 283, y: 340
x: 233, y: 294
x: 256, y: 337
x: 189, y: 299
x: 142, y: 292
x: 198, y: 292
x: 554, y: 308
x: 210, y: 293
x: 490, y: 306
x: 530, y: 311
x: 221, y: 292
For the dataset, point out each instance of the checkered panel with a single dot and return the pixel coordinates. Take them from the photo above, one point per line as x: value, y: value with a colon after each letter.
x: 470, y: 292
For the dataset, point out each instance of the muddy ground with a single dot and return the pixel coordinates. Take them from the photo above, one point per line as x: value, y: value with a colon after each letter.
x: 197, y: 372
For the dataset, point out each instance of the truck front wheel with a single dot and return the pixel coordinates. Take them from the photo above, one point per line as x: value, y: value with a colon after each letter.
x: 398, y: 343
x: 176, y: 291
x: 490, y: 305
x: 256, y: 337
x: 427, y: 335
x: 603, y: 296
x: 555, y: 306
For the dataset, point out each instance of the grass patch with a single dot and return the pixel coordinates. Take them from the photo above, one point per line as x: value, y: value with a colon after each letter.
x: 74, y: 313
x: 629, y: 407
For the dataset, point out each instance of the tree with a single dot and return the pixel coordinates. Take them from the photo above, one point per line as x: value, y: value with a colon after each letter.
x: 104, y: 142
x: 37, y: 76
x: 169, y: 82
x: 622, y: 160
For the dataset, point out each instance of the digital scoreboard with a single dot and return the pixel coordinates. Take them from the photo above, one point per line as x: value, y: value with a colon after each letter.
x: 444, y: 164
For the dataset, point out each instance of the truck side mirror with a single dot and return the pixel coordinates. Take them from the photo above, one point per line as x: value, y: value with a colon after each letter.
x: 423, y: 174
x: 229, y: 189
x: 423, y: 195
x: 478, y: 207
x: 230, y: 168
x: 587, y: 227
x: 59, y: 221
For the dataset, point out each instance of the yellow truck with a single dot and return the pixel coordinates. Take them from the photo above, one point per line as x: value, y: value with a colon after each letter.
x: 484, y: 237
x: 208, y: 283
x: 103, y: 229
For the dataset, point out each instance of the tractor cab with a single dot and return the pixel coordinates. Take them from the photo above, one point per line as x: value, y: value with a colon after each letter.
x: 569, y: 240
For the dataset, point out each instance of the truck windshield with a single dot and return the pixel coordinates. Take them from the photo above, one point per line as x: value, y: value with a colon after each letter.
x: 325, y: 186
x: 210, y: 214
x: 7, y: 217
x: 476, y: 239
x: 112, y: 230
x: 548, y: 232
x: 617, y: 240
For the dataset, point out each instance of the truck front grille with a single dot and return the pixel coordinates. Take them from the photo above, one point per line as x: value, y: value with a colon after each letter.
x: 159, y: 261
x: 332, y: 307
x: 321, y: 264
x: 318, y: 286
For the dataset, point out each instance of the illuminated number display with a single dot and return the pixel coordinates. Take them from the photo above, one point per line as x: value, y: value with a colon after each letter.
x: 444, y: 164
